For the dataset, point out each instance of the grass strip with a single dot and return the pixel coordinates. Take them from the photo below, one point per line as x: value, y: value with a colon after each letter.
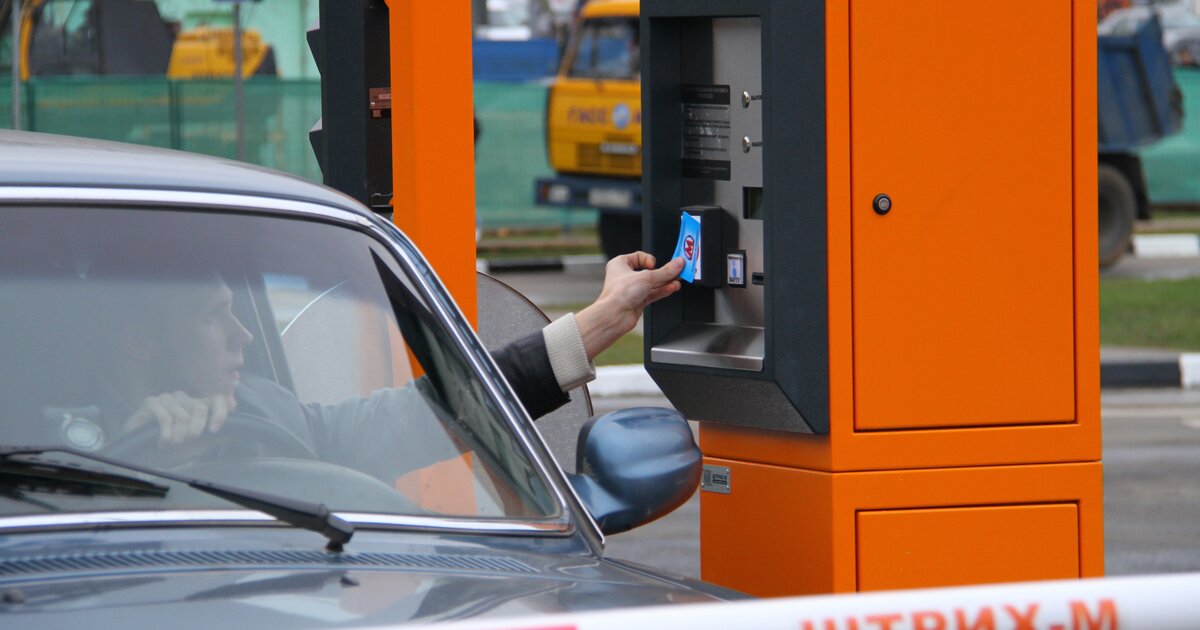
x: 627, y: 350
x: 1150, y: 313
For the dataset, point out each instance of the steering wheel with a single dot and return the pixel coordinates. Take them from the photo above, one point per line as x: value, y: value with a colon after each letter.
x: 239, y: 429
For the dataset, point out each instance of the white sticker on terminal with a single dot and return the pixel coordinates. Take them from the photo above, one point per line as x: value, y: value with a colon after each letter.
x: 735, y: 269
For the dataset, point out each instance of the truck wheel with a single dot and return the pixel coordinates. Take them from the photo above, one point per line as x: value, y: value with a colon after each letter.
x: 619, y: 233
x: 1118, y: 208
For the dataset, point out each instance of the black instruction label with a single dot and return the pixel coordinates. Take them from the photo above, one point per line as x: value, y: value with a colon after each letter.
x: 705, y: 114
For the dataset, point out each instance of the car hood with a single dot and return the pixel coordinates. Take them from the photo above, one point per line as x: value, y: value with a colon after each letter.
x: 267, y: 583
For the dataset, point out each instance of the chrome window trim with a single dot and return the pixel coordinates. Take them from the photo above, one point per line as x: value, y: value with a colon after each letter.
x: 372, y: 520
x: 397, y: 243
x: 89, y: 519
x: 363, y: 520
x: 43, y: 195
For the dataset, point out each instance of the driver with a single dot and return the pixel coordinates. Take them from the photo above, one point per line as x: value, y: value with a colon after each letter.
x: 175, y: 363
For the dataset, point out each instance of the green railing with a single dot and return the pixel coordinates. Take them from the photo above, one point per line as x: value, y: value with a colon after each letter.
x: 510, y: 154
x: 198, y: 116
x: 195, y: 116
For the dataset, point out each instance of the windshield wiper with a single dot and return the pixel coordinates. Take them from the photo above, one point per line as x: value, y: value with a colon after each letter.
x: 19, y: 477
x: 75, y: 479
x: 299, y: 513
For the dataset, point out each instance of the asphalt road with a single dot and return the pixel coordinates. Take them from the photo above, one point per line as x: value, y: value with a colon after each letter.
x: 1151, y: 456
x: 1151, y: 481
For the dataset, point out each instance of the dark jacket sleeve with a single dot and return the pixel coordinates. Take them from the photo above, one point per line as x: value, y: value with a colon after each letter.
x: 526, y: 364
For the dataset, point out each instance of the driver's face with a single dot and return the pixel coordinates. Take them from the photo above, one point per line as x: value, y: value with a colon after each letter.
x: 202, y: 351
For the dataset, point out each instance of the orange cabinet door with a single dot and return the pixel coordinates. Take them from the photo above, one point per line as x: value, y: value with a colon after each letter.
x: 900, y: 549
x: 963, y: 291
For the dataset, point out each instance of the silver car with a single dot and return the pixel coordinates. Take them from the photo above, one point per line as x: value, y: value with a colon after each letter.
x: 348, y: 454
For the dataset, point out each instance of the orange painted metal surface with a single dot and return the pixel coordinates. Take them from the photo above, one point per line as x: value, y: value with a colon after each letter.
x: 963, y: 326
x: 788, y: 531
x: 962, y: 292
x: 1008, y: 543
x: 433, y: 151
x: 850, y: 446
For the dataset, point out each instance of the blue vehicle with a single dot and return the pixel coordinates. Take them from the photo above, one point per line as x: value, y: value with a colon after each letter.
x: 1139, y: 103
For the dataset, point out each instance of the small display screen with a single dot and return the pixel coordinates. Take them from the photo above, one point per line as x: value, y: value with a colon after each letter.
x: 752, y: 203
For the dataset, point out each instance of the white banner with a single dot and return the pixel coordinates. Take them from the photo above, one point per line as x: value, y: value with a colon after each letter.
x: 1161, y: 602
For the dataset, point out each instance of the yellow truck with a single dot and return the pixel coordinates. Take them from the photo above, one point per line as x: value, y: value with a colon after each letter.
x: 594, y: 124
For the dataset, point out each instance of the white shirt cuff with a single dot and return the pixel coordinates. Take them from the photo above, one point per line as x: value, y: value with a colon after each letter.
x: 568, y: 357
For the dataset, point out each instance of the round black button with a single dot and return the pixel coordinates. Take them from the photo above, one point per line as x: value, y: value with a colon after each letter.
x: 882, y: 203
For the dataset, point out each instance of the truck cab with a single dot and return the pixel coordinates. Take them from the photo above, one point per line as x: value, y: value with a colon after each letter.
x: 594, y: 123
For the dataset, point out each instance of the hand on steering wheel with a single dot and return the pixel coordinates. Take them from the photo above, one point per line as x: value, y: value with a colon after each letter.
x: 180, y: 417
x: 238, y: 428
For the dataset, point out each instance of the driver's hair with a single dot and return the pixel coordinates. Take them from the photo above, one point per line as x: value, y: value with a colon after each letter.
x: 141, y: 286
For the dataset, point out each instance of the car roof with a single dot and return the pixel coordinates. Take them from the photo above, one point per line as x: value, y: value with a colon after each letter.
x: 40, y: 159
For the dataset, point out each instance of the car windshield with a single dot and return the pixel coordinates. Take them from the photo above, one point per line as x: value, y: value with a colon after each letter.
x: 282, y: 355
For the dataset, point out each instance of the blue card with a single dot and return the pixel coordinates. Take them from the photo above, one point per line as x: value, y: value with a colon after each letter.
x: 688, y: 247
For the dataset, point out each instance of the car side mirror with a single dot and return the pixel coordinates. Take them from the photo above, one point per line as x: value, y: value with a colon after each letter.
x: 635, y: 465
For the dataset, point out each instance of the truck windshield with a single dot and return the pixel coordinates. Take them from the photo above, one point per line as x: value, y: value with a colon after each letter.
x: 606, y: 48
x: 274, y: 354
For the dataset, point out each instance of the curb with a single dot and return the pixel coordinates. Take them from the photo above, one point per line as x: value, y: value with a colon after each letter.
x: 546, y: 263
x: 1166, y: 245
x: 1144, y: 246
x: 1183, y: 371
x: 623, y: 380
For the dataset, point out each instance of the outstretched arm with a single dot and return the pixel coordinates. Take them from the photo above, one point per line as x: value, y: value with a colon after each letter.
x: 631, y: 283
x: 542, y: 367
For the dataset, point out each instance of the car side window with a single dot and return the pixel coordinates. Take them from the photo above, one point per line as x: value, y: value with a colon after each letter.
x: 337, y: 344
x: 288, y: 347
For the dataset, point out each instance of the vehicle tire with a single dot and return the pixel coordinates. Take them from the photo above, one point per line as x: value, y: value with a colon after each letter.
x: 1118, y: 209
x: 620, y: 233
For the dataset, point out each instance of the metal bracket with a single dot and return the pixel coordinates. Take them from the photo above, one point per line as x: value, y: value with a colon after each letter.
x: 381, y: 102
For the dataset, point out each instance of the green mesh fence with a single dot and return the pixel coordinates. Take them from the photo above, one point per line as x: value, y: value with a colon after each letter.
x: 195, y: 116
x: 510, y: 154
x: 198, y: 116
x: 1172, y: 166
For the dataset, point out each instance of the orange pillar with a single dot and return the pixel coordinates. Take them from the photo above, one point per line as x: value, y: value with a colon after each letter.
x: 964, y: 442
x: 433, y: 152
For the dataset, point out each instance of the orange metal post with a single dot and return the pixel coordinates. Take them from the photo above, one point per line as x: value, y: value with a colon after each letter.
x: 433, y: 152
x: 964, y: 442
